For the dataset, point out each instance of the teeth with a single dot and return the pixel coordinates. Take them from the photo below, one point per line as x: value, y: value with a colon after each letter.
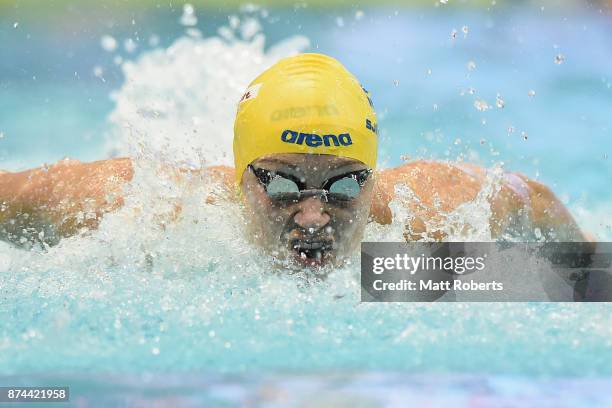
x: 309, y: 245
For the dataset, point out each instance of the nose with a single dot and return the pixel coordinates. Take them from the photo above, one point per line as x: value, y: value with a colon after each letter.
x: 311, y: 214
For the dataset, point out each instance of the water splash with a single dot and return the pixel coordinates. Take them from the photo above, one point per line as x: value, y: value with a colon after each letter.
x: 188, y: 18
x: 157, y: 289
x: 179, y: 102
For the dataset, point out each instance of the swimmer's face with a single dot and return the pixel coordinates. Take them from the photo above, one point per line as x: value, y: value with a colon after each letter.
x: 313, y: 229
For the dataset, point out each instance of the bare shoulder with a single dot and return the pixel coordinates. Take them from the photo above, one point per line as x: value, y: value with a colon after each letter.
x: 435, y: 184
x: 517, y: 202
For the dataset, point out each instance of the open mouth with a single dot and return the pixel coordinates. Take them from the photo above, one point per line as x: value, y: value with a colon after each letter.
x: 311, y: 252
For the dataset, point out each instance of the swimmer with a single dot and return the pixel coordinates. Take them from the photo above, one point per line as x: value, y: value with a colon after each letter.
x: 305, y: 152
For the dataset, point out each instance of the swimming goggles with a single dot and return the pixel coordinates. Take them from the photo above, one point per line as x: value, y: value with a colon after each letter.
x: 284, y: 187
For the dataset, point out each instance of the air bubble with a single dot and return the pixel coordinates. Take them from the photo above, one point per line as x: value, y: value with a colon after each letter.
x: 559, y: 59
x: 471, y: 66
x: 531, y: 93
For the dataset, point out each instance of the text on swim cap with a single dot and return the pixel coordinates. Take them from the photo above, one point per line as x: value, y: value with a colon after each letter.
x: 371, y: 126
x: 314, y: 140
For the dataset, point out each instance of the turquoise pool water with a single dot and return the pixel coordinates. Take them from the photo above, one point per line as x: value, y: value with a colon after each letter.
x: 194, y: 301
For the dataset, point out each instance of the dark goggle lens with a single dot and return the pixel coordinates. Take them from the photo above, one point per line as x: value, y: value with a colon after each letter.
x: 344, y: 189
x: 284, y: 189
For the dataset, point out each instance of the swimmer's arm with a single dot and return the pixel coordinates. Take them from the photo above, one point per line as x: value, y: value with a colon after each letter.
x: 70, y: 196
x: 219, y: 175
x: 518, y: 198
x: 66, y: 197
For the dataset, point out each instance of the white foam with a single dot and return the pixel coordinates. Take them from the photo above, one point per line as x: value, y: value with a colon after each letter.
x: 193, y: 78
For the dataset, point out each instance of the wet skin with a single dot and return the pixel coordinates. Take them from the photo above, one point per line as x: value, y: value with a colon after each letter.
x: 57, y: 196
x: 311, y: 231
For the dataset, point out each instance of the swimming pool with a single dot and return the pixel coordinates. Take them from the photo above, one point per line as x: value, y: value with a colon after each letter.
x: 194, y: 304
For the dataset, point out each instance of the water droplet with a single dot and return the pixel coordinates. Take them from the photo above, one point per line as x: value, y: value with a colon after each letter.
x: 435, y: 106
x: 559, y: 59
x: 211, y: 333
x: 404, y: 158
x: 155, y: 351
x: 510, y: 130
x: 457, y: 141
x: 471, y: 91
x: 234, y: 22
x: 429, y: 71
x: 396, y: 82
x: 453, y: 34
x: 15, y: 24
x: 471, y: 65
x: 482, y: 141
x: 98, y: 71
x: 108, y: 43
x: 339, y: 21
x: 188, y: 18
x: 499, y: 102
x: 129, y: 45
x: 525, y: 135
x: 1, y: 135
x: 443, y: 1
x: 531, y: 93
x: 465, y: 30
x: 359, y: 15
x: 154, y: 40
x: 481, y: 105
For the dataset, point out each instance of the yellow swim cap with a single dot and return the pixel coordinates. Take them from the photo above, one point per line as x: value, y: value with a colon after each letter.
x: 308, y: 103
